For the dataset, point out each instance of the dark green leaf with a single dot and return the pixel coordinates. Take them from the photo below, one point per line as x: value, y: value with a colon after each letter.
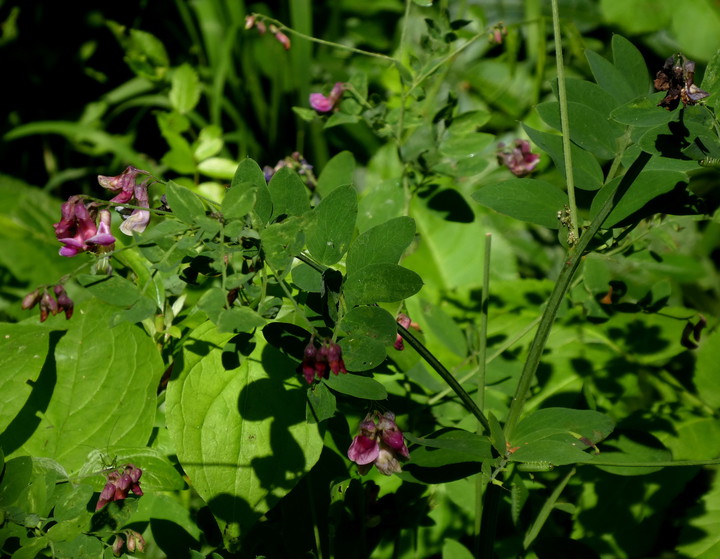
x: 562, y: 424
x: 288, y: 193
x: 370, y: 322
x: 362, y: 353
x: 358, y: 386
x: 329, y: 236
x: 239, y: 319
x: 321, y: 403
x: 248, y: 175
x: 588, y: 128
x: 382, y: 243
x: 380, y: 283
x: 587, y: 172
x: 530, y: 200
x: 646, y: 187
x: 114, y: 289
x: 610, y: 77
x: 451, y: 447
x: 643, y: 111
x: 628, y: 59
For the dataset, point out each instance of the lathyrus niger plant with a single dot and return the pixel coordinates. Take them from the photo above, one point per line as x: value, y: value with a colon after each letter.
x: 456, y: 337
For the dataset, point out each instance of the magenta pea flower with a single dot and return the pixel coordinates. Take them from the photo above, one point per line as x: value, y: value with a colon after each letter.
x: 323, y: 104
x: 77, y: 230
x: 119, y: 484
x: 519, y: 159
x: 128, y: 189
x: 380, y: 442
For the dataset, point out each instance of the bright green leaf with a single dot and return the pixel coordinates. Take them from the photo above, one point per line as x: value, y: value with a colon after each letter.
x: 185, y: 89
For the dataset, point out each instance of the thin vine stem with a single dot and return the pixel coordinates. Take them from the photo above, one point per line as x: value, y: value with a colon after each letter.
x: 446, y: 375
x: 565, y: 122
x: 562, y: 285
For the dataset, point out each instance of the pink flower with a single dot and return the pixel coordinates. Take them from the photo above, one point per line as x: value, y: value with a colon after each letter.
x: 119, y: 485
x: 518, y: 159
x: 317, y: 360
x: 380, y: 442
x: 77, y: 230
x: 323, y: 104
x: 128, y: 190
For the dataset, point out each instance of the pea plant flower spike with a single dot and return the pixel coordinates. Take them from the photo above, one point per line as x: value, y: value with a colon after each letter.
x: 325, y: 104
x: 380, y: 442
x: 120, y: 484
x: 518, y: 158
x: 129, y: 191
x: 78, y: 231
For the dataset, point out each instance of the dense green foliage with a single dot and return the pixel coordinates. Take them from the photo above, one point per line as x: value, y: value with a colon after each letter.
x: 412, y: 285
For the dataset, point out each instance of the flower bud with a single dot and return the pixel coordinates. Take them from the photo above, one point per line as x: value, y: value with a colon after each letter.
x: 31, y: 299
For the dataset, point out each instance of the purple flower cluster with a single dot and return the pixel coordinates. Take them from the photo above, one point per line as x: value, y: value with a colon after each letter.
x: 380, y: 442
x: 130, y: 192
x: 296, y: 162
x: 253, y: 20
x: 518, y: 158
x: 49, y: 305
x: 320, y: 361
x: 325, y: 104
x: 119, y: 484
x: 78, y: 231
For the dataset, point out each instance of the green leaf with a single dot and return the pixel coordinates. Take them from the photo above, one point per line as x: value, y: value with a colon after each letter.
x: 624, y: 449
x: 146, y: 55
x: 247, y: 175
x: 381, y: 282
x: 379, y: 203
x: 637, y: 17
x: 307, y: 278
x: 329, y: 236
x: 185, y: 89
x: 288, y: 193
x: 240, y: 431
x: 159, y: 474
x: 337, y: 172
x: 321, y: 403
x: 643, y: 111
x: 700, y: 532
x: 185, y: 205
x: 23, y: 352
x: 358, y: 386
x: 101, y: 388
x: 449, y: 447
x: 561, y: 424
x: 372, y: 322
x: 238, y: 202
x: 649, y: 185
x: 588, y: 128
x: 631, y: 63
x: 361, y: 353
x: 530, y: 200
x: 611, y: 78
x: 383, y: 243
x: 209, y: 143
x: 218, y: 167
x: 706, y: 379
x: 589, y: 94
x: 239, y: 319
x: 697, y: 27
x: 282, y: 241
x: 587, y: 172
x: 444, y: 328
x: 453, y: 549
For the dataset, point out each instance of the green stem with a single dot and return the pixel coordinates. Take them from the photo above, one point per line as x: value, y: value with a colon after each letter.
x: 565, y: 122
x: 562, y: 285
x: 545, y: 511
x: 446, y: 375
x: 482, y: 349
x: 291, y: 31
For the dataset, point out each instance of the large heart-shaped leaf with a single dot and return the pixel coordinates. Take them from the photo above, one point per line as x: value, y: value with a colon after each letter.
x: 240, y: 433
